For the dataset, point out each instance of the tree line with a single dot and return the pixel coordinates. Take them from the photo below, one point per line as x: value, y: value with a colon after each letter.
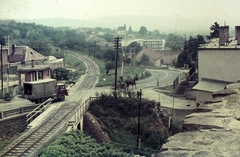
x: 189, y: 53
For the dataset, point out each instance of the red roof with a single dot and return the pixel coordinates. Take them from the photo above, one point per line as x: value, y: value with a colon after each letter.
x: 149, y: 52
x: 24, y: 54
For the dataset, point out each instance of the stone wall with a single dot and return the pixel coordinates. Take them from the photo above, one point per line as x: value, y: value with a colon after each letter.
x: 177, y: 115
x: 12, y: 126
x: 211, y: 130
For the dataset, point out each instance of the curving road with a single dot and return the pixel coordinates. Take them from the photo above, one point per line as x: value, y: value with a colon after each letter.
x: 164, y: 76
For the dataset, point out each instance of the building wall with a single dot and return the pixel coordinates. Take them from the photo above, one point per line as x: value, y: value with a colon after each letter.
x: 220, y: 65
x: 156, y: 45
x: 203, y: 95
x: 46, y: 73
x: 10, y: 127
x: 121, y: 32
x: 157, y: 62
x: 168, y: 58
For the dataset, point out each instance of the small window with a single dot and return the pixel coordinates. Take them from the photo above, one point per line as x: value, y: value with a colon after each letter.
x: 40, y: 77
x: 48, y: 72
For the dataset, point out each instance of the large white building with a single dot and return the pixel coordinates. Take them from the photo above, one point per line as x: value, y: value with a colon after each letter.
x: 155, y: 44
x: 218, y: 64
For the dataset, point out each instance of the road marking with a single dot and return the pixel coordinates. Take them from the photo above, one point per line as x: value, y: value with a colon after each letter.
x: 165, y: 76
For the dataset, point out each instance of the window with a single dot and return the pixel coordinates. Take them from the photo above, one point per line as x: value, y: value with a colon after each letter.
x: 40, y: 76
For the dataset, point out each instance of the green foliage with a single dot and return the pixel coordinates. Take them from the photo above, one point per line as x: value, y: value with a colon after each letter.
x: 189, y: 52
x: 2, y: 40
x: 41, y: 46
x: 121, y: 124
x: 133, y: 47
x: 109, y: 65
x: 130, y: 29
x: 60, y: 74
x: 108, y: 37
x: 76, y: 144
x: 109, y: 55
x: 214, y: 31
x: 144, y: 58
x: 40, y: 37
x: 143, y: 30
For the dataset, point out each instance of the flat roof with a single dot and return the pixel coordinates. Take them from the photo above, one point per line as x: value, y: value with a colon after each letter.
x: 210, y: 86
x: 41, y: 81
x: 214, y: 44
x: 36, y: 67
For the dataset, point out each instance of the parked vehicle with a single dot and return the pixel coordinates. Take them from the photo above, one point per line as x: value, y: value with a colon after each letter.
x: 41, y: 90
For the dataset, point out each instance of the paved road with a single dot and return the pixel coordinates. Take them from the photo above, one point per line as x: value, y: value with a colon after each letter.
x: 148, y: 84
x: 164, y: 76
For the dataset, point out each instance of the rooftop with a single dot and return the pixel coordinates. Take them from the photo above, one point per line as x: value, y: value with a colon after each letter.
x: 36, y: 67
x: 214, y: 44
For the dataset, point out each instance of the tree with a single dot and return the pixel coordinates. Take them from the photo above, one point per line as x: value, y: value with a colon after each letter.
x: 108, y: 37
x: 144, y: 58
x: 129, y: 29
x: 60, y: 74
x: 41, y: 46
x: 143, y: 30
x: 109, y: 55
x: 215, y: 31
x: 2, y: 40
x: 189, y: 52
x: 134, y: 46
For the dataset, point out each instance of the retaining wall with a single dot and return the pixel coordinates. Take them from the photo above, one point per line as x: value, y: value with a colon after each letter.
x: 12, y: 126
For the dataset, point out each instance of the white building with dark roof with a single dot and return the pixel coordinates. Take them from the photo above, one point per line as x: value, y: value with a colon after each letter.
x: 218, y: 63
x: 121, y: 30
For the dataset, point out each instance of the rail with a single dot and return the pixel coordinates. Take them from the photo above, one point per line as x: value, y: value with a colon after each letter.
x: 38, y: 110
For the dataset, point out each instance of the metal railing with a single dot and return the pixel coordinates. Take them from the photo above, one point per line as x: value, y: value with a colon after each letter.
x: 16, y: 111
x: 37, y: 111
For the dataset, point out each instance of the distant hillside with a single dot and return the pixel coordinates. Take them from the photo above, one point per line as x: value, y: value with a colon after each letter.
x: 163, y: 24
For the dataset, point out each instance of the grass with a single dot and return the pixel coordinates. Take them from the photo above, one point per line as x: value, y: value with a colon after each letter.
x: 107, y: 80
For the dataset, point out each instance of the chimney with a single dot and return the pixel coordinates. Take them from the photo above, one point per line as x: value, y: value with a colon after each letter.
x: 237, y: 34
x: 223, y: 35
x: 13, y: 49
x: 32, y: 63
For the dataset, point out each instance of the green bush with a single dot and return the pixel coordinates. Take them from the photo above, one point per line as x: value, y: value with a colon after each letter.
x: 76, y: 144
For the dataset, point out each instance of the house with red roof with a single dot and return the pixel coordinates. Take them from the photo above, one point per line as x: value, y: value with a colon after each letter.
x: 22, y: 56
x: 154, y: 57
x: 169, y: 56
x: 160, y: 57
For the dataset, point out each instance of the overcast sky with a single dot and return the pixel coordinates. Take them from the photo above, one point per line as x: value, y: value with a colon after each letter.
x: 212, y: 10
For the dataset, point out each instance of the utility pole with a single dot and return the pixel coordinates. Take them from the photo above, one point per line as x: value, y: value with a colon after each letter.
x: 123, y: 57
x: 63, y: 55
x: 139, y: 94
x: 117, y: 47
x: 94, y: 49
x: 2, y: 42
x: 2, y: 67
x: 8, y: 66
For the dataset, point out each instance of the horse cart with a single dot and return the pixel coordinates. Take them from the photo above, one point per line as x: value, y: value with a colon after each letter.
x: 119, y: 86
x: 124, y: 84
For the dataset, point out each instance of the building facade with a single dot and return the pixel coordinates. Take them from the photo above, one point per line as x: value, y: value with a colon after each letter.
x: 122, y: 30
x: 218, y: 63
x: 155, y: 44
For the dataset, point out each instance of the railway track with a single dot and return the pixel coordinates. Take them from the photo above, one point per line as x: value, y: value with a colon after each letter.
x: 55, y: 123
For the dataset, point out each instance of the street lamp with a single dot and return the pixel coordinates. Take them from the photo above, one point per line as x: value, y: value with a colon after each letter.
x: 139, y: 94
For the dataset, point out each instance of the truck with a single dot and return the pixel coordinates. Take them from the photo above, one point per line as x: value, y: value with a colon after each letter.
x: 41, y: 90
